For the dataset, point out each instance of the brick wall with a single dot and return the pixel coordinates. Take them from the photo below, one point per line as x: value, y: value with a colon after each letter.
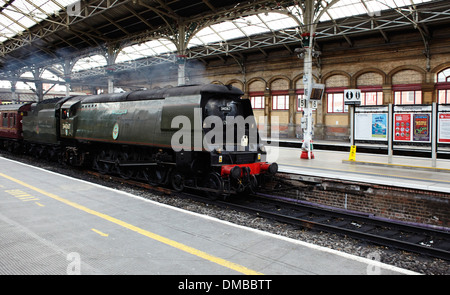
x: 406, y: 205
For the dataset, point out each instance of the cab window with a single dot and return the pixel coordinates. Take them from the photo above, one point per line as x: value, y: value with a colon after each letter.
x: 65, y: 114
x: 69, y: 113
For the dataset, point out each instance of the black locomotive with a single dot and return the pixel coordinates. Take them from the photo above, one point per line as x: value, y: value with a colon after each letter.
x: 201, y: 136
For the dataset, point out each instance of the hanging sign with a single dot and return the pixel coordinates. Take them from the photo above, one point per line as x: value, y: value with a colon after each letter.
x: 317, y: 91
x: 352, y: 96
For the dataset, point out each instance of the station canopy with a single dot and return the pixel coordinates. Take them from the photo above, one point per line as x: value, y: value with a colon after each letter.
x: 145, y: 28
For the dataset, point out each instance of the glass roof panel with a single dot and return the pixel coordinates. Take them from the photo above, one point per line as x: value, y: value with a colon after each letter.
x: 51, y: 76
x: 271, y: 21
x: 205, y: 36
x: 19, y: 15
x: 147, y: 49
x: 374, y: 6
x: 5, y: 84
x: 345, y: 8
x: 89, y: 62
x: 252, y: 25
x: 27, y: 75
x: 278, y: 21
x: 224, y: 26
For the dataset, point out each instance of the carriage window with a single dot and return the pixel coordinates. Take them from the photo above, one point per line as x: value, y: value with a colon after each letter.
x: 12, y: 120
x: 5, y: 120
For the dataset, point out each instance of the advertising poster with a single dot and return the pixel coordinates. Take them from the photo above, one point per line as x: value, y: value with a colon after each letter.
x: 379, y: 126
x: 402, y: 127
x: 421, y: 125
x: 370, y: 126
x: 444, y: 128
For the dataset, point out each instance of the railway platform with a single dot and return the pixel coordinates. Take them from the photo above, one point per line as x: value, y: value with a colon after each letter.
x: 403, y: 171
x: 53, y: 224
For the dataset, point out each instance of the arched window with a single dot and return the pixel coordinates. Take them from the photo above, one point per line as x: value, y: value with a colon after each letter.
x: 371, y: 85
x: 444, y: 76
x: 407, y: 87
x: 280, y: 94
x: 256, y: 94
x: 443, y: 86
x: 335, y: 86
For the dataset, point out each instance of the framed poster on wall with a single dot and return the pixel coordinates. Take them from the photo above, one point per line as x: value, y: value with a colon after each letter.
x: 402, y: 127
x: 371, y: 126
x: 412, y: 127
x: 421, y: 127
x: 444, y: 128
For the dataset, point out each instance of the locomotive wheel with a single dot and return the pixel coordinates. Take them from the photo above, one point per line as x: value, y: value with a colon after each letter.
x: 253, y: 184
x: 177, y: 181
x: 124, y: 172
x: 158, y: 175
x: 102, y: 164
x: 215, y: 183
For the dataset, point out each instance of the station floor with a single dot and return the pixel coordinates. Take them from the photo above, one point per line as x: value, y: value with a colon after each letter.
x: 401, y: 171
x: 53, y: 224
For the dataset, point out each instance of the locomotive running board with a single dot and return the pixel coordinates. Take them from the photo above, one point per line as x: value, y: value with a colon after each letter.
x: 129, y: 164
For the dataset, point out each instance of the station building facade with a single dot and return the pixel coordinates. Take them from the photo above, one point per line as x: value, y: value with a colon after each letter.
x: 403, y: 71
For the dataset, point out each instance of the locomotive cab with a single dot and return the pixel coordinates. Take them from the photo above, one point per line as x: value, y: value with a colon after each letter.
x: 237, y: 155
x: 69, y: 112
x: 215, y: 140
x: 230, y: 129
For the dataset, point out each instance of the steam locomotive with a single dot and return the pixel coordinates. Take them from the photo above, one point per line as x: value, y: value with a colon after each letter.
x: 201, y: 136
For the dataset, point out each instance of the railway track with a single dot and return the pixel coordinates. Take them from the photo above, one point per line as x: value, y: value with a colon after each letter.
x: 420, y: 240
x: 425, y: 241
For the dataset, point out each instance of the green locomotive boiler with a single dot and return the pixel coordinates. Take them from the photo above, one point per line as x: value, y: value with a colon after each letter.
x: 201, y: 136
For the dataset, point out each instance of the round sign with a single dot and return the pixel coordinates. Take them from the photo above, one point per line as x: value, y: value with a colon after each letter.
x: 115, y: 132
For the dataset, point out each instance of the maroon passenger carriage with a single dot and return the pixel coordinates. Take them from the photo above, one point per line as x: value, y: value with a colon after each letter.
x: 11, y: 132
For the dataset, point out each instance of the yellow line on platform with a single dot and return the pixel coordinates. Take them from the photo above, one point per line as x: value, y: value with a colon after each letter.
x: 156, y: 237
x: 397, y: 165
x: 99, y: 232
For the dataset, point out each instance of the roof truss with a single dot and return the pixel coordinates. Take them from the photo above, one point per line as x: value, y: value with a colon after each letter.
x: 95, y: 26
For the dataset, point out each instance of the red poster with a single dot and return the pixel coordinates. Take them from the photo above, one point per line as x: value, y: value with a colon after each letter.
x: 444, y: 128
x: 402, y: 123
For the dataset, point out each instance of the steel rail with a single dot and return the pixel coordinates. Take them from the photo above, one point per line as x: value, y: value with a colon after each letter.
x: 298, y: 211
